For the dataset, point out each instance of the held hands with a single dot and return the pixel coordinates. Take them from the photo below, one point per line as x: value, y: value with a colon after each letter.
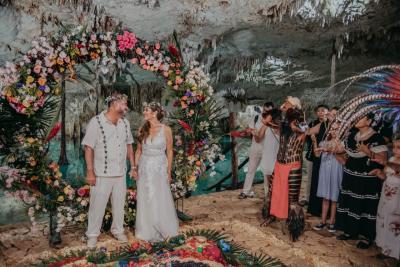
x: 133, y: 173
x: 91, y: 178
x: 363, y: 148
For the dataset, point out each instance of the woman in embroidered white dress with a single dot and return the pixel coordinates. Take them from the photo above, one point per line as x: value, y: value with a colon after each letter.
x: 156, y: 218
x: 388, y: 218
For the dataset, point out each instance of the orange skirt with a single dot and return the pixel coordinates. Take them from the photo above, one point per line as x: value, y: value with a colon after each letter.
x: 280, y: 189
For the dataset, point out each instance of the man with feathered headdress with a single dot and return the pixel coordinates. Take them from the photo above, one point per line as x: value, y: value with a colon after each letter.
x: 285, y: 185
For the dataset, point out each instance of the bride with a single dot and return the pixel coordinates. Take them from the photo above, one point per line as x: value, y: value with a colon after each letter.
x: 156, y: 218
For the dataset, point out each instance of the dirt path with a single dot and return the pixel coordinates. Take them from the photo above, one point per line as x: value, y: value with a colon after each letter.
x: 221, y: 211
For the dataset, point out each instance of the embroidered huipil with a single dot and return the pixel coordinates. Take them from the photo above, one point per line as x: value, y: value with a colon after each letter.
x: 109, y: 142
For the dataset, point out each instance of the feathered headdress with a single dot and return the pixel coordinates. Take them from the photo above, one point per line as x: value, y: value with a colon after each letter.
x: 382, y: 94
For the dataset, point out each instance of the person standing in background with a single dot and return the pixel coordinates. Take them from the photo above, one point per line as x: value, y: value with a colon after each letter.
x: 255, y: 153
x: 315, y: 202
x: 318, y: 111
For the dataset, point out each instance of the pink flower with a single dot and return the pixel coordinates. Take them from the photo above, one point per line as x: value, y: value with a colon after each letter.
x: 126, y: 41
x: 82, y: 192
x: 134, y: 60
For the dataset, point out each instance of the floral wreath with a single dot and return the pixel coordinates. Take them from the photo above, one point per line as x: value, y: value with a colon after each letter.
x: 27, y: 87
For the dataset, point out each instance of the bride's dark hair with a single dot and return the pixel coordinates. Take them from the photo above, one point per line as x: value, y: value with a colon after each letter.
x: 144, y: 131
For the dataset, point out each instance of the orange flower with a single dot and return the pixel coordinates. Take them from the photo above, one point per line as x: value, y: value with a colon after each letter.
x: 32, y: 161
x: 60, y: 61
x: 34, y: 178
x: 93, y: 55
x: 42, y: 81
x: 184, y: 98
x: 39, y: 93
x: 198, y: 163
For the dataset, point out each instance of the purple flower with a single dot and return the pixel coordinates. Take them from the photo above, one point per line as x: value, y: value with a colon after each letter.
x: 103, y: 249
x: 42, y: 87
x: 19, y: 85
x: 188, y: 93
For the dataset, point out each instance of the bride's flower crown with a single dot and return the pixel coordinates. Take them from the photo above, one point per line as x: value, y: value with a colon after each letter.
x: 116, y: 97
x: 153, y: 104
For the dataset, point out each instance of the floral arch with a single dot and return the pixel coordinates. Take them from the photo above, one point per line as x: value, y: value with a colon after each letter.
x: 30, y: 88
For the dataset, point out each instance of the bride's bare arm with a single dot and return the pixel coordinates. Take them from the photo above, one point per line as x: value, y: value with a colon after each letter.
x: 170, y: 152
x: 138, y: 153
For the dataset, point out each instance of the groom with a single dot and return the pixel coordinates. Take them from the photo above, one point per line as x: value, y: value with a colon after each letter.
x: 108, y: 143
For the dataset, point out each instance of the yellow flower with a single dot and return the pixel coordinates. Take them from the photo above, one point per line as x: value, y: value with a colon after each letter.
x: 26, y: 103
x: 39, y: 93
x: 29, y: 79
x: 32, y: 161
x: 62, y: 70
x: 60, y: 199
x: 169, y: 83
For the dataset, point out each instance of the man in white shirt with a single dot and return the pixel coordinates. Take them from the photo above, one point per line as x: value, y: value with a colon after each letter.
x: 255, y: 154
x: 108, y: 143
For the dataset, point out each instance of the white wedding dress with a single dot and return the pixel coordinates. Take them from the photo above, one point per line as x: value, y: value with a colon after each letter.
x: 156, y: 218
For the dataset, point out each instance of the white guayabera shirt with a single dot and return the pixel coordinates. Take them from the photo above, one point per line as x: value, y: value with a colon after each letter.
x: 109, y: 142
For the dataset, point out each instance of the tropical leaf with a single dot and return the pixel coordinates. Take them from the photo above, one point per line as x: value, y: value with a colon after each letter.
x: 212, y: 235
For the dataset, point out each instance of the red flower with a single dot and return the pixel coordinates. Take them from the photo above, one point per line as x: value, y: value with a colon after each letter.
x: 83, y: 192
x: 172, y: 49
x: 53, y: 131
x: 185, y: 126
x: 135, y: 246
x: 238, y: 133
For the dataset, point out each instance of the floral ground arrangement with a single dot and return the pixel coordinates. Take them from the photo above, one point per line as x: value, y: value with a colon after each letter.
x: 193, y: 248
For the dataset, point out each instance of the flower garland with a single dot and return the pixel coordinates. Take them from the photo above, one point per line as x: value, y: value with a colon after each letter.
x: 25, y: 86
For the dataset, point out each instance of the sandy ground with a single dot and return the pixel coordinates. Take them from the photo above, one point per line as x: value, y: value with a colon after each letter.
x: 221, y: 211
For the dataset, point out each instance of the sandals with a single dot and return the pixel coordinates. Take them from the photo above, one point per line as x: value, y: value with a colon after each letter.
x: 242, y: 196
x: 364, y: 244
x: 268, y: 221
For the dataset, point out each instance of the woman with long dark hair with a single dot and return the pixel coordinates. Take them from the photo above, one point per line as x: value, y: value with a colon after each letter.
x: 156, y: 218
x: 359, y: 196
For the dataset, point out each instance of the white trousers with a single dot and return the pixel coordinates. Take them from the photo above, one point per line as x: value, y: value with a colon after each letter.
x: 254, y: 160
x: 99, y: 196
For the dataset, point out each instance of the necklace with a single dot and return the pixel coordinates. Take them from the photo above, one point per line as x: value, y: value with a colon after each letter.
x: 364, y: 136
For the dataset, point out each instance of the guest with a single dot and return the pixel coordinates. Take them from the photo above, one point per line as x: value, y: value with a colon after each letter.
x: 255, y: 154
x: 315, y: 202
x: 388, y: 218
x: 359, y: 196
x: 330, y: 178
x: 285, y: 185
x: 269, y: 135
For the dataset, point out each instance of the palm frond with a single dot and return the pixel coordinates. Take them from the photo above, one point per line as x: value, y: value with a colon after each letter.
x: 212, y: 235
x: 258, y: 260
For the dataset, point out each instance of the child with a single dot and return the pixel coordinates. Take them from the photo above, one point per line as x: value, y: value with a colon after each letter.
x: 388, y: 218
x: 330, y: 179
